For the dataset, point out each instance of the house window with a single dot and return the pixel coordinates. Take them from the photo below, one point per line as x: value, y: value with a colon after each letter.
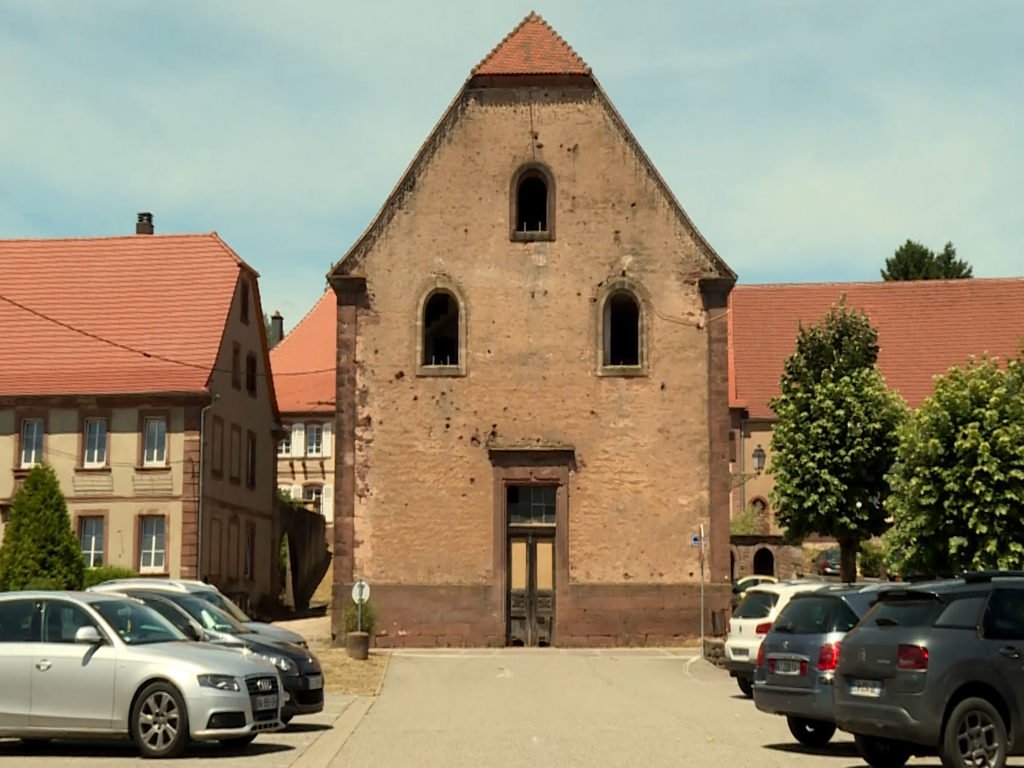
x: 236, y: 366
x: 441, y: 330
x: 245, y: 301
x: 249, y: 553
x: 152, y: 555
x: 532, y: 203
x: 250, y: 459
x: 313, y: 495
x: 155, y: 454
x: 235, y: 470
x: 284, y: 445
x: 622, y: 330
x: 90, y: 534
x: 314, y: 440
x: 250, y: 374
x: 95, y: 443
x: 218, y: 445
x: 530, y: 504
x: 31, y: 442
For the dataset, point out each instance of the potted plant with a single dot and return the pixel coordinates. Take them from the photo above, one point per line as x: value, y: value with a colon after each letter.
x: 358, y: 632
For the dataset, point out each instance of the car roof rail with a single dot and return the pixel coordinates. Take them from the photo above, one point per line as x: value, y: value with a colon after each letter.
x: 976, y: 577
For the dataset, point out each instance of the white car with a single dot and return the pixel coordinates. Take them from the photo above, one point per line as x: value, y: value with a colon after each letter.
x: 750, y: 623
x: 207, y: 592
x: 80, y: 664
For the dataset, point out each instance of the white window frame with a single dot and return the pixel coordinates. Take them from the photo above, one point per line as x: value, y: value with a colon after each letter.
x: 159, y: 454
x: 31, y: 449
x: 315, y: 440
x: 284, y: 445
x: 148, y: 544
x: 317, y: 499
x: 95, y: 455
x: 94, y: 548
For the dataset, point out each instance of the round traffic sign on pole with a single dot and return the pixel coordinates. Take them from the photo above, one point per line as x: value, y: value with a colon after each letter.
x: 360, y: 592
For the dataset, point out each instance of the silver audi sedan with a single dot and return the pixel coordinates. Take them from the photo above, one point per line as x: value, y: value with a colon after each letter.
x: 78, y: 664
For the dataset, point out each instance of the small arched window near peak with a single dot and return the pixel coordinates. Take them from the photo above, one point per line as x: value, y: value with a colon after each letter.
x: 533, y: 206
x: 622, y: 331
x: 441, y: 330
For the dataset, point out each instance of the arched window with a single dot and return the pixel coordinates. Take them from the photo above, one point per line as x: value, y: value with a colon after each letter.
x: 441, y: 330
x: 622, y: 330
x: 533, y: 204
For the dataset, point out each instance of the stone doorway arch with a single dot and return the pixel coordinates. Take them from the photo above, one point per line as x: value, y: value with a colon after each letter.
x: 764, y: 562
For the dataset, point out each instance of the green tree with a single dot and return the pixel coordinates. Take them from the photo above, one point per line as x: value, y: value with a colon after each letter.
x: 913, y: 261
x: 39, y: 544
x: 958, y: 481
x: 834, y: 439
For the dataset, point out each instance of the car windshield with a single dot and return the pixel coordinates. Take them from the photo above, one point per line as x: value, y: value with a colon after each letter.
x: 209, y: 615
x: 756, y: 605
x: 818, y: 615
x: 135, y: 623
x: 225, y: 604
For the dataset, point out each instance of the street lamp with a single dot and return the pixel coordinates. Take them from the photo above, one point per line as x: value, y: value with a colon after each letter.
x: 759, y: 457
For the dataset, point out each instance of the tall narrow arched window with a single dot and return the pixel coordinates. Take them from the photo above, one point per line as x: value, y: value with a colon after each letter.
x: 622, y: 330
x: 533, y: 207
x: 441, y: 330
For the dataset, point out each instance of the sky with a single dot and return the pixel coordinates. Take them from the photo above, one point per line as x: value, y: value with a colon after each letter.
x: 807, y: 139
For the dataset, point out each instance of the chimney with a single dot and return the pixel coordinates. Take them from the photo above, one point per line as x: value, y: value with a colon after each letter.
x: 144, y: 225
x: 276, y: 329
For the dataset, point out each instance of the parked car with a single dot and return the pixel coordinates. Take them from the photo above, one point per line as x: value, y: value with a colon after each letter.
x: 828, y: 562
x: 796, y: 663
x: 937, y: 668
x: 742, y: 584
x: 301, y: 674
x: 210, y: 593
x: 751, y: 621
x: 77, y: 664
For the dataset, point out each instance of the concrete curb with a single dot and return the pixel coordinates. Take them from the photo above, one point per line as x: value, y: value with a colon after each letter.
x: 322, y: 752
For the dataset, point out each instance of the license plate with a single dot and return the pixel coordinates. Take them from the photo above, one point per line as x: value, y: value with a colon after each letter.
x: 316, y: 682
x: 741, y: 653
x: 787, y: 667
x: 871, y: 688
x: 266, y: 702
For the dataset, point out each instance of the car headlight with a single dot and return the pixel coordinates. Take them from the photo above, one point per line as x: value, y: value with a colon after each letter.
x: 285, y: 665
x: 220, y: 682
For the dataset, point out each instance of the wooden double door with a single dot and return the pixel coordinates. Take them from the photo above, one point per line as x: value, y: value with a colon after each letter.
x: 531, y: 587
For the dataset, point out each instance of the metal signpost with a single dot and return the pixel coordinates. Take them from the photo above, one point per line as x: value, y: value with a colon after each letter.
x: 699, y: 540
x: 360, y: 594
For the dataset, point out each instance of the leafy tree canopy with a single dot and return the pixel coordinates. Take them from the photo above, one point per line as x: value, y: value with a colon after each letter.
x: 958, y: 482
x: 913, y: 261
x: 39, y: 545
x: 835, y: 435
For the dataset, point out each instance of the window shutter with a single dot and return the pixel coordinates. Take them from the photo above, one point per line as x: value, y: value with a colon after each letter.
x: 297, y: 492
x: 325, y: 449
x: 298, y: 440
x: 327, y: 504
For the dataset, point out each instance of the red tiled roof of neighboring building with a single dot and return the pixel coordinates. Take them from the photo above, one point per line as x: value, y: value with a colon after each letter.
x: 303, y: 362
x: 532, y: 48
x: 117, y: 315
x: 924, y: 328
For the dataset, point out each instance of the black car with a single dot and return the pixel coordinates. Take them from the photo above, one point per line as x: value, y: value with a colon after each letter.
x: 937, y: 668
x: 300, y: 670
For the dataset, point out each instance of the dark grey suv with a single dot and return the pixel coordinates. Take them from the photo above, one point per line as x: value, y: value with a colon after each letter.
x: 937, y: 668
x: 797, y: 661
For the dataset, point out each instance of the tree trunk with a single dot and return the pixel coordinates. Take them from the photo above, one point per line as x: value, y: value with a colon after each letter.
x: 848, y: 560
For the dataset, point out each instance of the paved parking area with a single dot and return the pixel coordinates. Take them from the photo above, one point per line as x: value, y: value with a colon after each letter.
x: 505, y: 708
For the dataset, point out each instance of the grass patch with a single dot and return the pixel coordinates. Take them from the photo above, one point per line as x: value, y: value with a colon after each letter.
x: 355, y: 678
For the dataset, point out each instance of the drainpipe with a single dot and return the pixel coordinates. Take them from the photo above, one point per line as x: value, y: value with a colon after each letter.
x: 202, y: 473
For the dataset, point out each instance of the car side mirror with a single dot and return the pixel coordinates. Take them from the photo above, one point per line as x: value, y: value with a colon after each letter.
x: 88, y: 636
x: 192, y: 632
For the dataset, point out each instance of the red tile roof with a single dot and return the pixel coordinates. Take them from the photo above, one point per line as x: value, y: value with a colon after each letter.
x: 137, y: 314
x: 924, y: 328
x: 303, y: 362
x: 532, y: 48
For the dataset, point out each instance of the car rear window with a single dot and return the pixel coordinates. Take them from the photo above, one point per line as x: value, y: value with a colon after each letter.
x: 905, y: 613
x: 817, y: 615
x: 756, y: 605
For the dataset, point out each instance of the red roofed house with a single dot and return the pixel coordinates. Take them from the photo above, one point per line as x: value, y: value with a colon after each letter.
x: 119, y: 354
x: 924, y: 328
x: 304, y: 368
x: 532, y: 378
